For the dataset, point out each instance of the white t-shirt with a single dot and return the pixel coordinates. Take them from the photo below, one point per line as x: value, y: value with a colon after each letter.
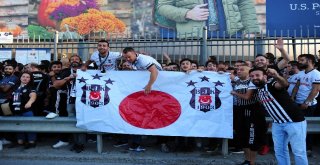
x: 109, y: 62
x: 306, y: 81
x: 292, y: 80
x: 144, y: 62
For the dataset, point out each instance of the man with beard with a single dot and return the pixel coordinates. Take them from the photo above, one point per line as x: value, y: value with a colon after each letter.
x: 66, y: 81
x: 289, y: 125
x: 262, y: 61
x: 7, y: 83
x: 249, y: 120
x: 50, y: 102
x: 6, y: 88
x: 56, y: 98
x: 307, y: 89
x: 104, y: 59
x: 293, y: 75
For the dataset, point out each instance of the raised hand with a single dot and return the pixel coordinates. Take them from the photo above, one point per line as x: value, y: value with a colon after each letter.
x: 279, y: 44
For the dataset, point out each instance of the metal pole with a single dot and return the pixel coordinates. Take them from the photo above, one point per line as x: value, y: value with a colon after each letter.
x: 258, y: 46
x: 294, y: 48
x: 55, y: 47
x: 204, y: 44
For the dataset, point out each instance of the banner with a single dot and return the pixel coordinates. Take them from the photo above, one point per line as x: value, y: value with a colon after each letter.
x: 197, y: 104
x: 27, y: 55
x: 6, y: 38
x: 299, y: 18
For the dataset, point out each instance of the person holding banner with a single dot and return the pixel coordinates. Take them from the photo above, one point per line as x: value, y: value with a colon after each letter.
x: 289, y: 124
x: 104, y: 59
x: 143, y: 62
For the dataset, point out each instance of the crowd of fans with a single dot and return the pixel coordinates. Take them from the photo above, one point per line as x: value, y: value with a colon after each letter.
x: 48, y: 89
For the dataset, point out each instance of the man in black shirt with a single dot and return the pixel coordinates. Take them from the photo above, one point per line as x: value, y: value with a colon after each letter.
x: 289, y: 124
x: 67, y: 81
x: 249, y: 120
x: 41, y: 82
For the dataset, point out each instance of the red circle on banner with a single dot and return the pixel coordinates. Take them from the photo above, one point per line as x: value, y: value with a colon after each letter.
x: 152, y: 111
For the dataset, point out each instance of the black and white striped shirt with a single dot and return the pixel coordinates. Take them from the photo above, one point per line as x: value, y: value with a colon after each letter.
x: 278, y: 104
x: 242, y: 86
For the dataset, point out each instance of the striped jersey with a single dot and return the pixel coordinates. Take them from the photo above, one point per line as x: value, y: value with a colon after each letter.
x: 144, y: 62
x: 242, y: 86
x: 278, y: 104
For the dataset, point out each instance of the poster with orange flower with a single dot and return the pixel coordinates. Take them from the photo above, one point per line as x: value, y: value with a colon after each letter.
x: 131, y: 18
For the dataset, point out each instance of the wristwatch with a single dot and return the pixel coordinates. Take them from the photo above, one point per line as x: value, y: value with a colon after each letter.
x: 307, y: 102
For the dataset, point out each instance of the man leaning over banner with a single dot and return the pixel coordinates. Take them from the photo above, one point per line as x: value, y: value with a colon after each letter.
x: 105, y: 59
x: 143, y: 62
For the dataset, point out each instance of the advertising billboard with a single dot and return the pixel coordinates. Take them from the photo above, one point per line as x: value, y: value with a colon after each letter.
x: 158, y: 18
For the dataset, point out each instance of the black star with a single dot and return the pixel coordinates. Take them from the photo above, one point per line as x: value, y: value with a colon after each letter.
x: 96, y: 76
x: 204, y: 78
x: 109, y: 81
x: 191, y: 83
x: 82, y: 80
x: 218, y: 83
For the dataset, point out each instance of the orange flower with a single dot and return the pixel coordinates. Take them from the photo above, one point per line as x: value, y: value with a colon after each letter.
x: 94, y: 21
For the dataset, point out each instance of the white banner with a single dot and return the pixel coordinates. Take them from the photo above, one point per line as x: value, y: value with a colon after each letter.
x: 6, y: 38
x: 27, y: 55
x: 197, y: 104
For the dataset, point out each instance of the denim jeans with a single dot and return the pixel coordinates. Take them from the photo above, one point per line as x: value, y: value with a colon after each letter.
x: 295, y: 134
x: 30, y: 136
x: 309, y: 112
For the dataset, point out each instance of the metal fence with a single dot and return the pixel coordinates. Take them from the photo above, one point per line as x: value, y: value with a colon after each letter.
x: 226, y: 48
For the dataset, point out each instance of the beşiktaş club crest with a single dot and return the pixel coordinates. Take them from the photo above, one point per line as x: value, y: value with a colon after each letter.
x: 95, y: 93
x: 205, y: 97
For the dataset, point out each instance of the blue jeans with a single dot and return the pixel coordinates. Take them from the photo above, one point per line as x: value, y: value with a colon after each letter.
x: 294, y: 133
x: 30, y: 136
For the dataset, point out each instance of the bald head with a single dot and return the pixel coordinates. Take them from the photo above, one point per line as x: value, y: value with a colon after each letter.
x: 243, y: 72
